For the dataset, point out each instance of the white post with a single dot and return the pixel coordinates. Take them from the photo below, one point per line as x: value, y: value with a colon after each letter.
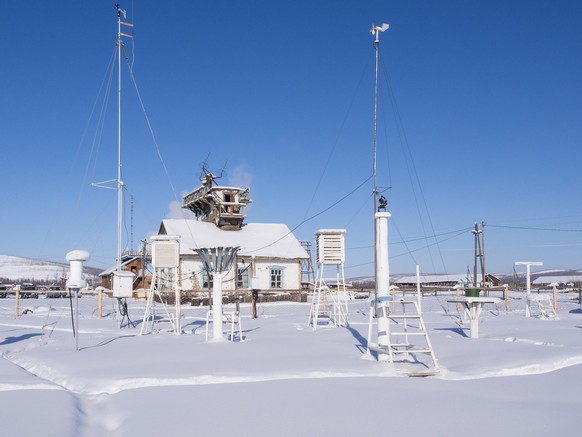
x: 217, y: 334
x: 554, y: 296
x: 528, y: 291
x: 217, y: 261
x: 76, y: 282
x: 418, y: 286
x: 528, y: 265
x: 382, y: 278
x: 178, y: 297
x: 474, y: 311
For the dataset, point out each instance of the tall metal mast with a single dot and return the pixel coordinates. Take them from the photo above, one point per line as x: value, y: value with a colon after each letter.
x: 375, y: 31
x: 120, y: 183
x: 117, y: 184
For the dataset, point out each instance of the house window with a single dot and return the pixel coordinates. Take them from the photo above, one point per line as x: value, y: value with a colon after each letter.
x: 242, y: 277
x: 276, y: 277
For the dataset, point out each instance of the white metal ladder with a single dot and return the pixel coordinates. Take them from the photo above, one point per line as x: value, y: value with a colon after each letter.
x: 403, y: 327
x: 149, y: 317
x: 541, y: 305
x: 329, y: 307
x: 232, y: 317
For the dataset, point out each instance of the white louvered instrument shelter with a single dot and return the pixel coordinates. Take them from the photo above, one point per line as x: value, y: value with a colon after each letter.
x: 330, y: 246
x: 165, y: 251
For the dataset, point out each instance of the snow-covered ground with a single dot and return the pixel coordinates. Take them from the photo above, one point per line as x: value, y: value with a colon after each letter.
x: 522, y: 377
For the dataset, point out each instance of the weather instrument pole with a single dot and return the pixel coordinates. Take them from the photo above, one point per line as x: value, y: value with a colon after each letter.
x: 117, y: 184
x: 75, y: 283
x: 119, y: 181
x: 375, y: 31
x: 528, y: 265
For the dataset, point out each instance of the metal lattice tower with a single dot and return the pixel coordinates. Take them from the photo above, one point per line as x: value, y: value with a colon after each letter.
x: 307, y: 271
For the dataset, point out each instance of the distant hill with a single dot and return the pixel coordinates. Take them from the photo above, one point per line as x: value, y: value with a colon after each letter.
x: 18, y: 269
x: 510, y: 278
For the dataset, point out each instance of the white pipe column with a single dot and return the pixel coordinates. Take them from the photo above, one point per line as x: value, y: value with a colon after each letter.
x: 178, y: 305
x: 528, y: 290
x: 418, y: 287
x: 217, y: 261
x: 217, y: 334
x: 382, y: 279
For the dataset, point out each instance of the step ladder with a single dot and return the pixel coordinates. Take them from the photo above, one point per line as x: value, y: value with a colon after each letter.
x: 328, y: 308
x: 228, y: 317
x: 540, y: 305
x: 408, y: 339
x: 151, y: 317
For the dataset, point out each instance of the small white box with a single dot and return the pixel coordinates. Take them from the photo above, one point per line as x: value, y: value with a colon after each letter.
x: 123, y: 284
x: 165, y: 251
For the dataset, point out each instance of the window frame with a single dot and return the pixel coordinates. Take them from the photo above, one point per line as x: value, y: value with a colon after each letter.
x: 243, y: 278
x: 273, y: 280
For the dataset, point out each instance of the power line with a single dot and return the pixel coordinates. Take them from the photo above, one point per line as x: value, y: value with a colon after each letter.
x: 314, y: 216
x: 411, y: 240
x: 527, y: 228
x: 411, y: 167
x: 409, y: 252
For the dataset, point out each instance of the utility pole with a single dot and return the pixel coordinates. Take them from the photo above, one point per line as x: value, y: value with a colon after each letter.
x: 476, y: 238
x: 479, y: 256
x: 143, y: 261
x: 131, y: 227
x: 483, y: 269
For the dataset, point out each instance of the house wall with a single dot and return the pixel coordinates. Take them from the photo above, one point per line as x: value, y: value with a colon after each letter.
x: 291, y: 273
x: 192, y: 276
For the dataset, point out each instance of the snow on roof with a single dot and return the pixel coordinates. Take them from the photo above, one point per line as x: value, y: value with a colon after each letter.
x: 330, y: 231
x: 269, y: 240
x: 431, y: 279
x: 557, y: 279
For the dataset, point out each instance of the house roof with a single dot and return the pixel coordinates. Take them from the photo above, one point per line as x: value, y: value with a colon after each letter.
x: 269, y: 240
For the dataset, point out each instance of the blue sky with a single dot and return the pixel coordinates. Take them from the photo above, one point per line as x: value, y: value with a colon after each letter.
x: 479, y: 120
